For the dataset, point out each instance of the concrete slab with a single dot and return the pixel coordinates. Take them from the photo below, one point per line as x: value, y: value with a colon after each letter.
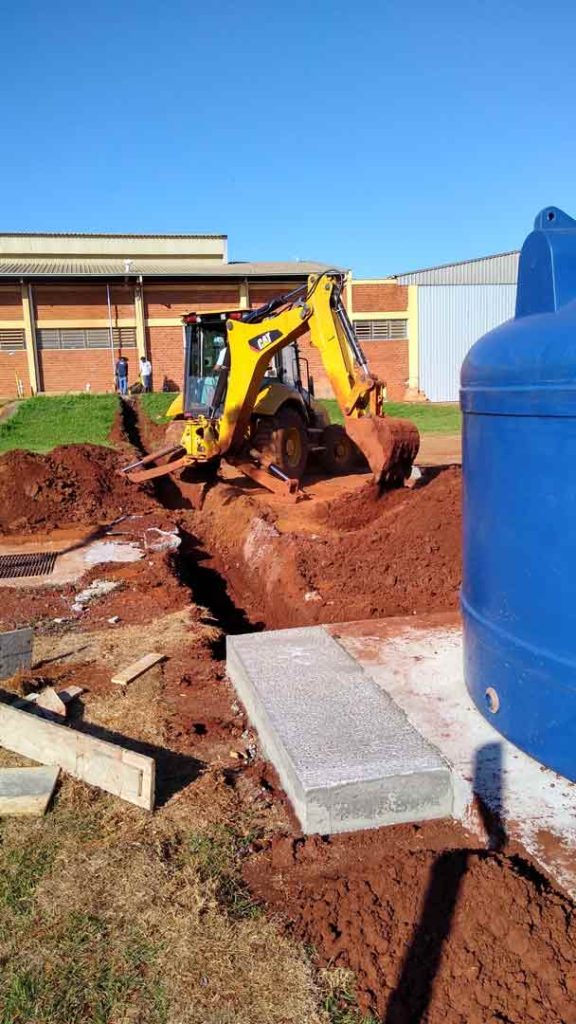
x: 25, y: 791
x: 418, y: 663
x: 346, y: 754
x: 15, y: 651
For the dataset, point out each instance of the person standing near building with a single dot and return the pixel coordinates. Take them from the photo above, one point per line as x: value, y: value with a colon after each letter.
x: 146, y: 373
x: 122, y: 375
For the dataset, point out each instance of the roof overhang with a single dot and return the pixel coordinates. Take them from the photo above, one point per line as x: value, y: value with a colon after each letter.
x: 167, y: 269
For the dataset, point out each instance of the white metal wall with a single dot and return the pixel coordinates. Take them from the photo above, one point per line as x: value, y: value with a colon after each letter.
x: 450, y: 319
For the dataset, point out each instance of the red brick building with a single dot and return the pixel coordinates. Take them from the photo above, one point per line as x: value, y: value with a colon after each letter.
x: 69, y: 303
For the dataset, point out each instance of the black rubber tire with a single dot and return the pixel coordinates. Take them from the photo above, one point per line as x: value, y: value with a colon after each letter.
x: 340, y: 455
x: 284, y: 440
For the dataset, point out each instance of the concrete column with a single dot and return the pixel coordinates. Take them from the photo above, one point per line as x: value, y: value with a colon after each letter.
x: 413, y: 342
x: 139, y: 318
x: 244, y: 295
x: 29, y: 318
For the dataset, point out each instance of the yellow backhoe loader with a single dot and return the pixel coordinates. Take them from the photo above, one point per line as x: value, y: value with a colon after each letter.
x: 244, y: 397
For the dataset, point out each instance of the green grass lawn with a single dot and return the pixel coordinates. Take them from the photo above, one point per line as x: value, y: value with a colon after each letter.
x: 44, y: 422
x: 430, y: 419
x: 156, y: 405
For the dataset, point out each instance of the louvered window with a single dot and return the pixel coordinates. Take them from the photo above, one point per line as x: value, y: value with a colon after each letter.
x: 85, y: 337
x: 11, y: 340
x: 380, y: 330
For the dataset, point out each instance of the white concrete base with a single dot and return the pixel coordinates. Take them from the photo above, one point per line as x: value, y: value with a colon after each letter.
x: 419, y: 664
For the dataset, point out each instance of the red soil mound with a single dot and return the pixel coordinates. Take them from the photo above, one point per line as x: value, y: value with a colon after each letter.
x: 71, y: 484
x: 435, y: 934
x: 394, y: 555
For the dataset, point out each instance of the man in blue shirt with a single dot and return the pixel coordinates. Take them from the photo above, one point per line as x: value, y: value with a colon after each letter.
x: 122, y: 375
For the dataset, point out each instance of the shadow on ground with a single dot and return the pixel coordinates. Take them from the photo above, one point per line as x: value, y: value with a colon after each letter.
x: 410, y: 1000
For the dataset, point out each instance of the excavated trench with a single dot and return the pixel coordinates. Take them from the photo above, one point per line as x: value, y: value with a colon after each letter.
x: 437, y: 928
x: 195, y: 568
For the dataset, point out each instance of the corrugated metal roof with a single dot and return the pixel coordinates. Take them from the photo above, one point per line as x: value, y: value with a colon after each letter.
x: 57, y: 267
x: 502, y: 268
x: 94, y: 234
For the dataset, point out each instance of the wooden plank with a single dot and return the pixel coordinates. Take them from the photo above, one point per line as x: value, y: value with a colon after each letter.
x: 115, y: 769
x: 15, y: 651
x: 137, y: 668
x: 26, y: 790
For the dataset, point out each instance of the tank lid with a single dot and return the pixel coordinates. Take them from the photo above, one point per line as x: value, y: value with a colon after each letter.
x: 547, y: 268
x: 527, y: 366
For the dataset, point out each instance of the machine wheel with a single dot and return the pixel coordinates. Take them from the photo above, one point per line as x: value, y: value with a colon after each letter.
x: 340, y: 455
x: 284, y: 440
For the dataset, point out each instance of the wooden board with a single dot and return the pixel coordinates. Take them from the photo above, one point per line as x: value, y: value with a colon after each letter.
x: 115, y: 769
x: 137, y: 668
x: 26, y: 791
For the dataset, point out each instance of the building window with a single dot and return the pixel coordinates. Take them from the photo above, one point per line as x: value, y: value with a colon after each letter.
x: 12, y: 340
x: 380, y: 330
x: 85, y: 337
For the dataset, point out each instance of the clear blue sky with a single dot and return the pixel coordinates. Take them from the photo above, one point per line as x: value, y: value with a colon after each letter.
x: 376, y: 135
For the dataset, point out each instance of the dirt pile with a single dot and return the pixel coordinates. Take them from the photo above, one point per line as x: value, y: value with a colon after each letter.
x: 355, y: 557
x: 393, y: 555
x: 435, y: 934
x: 71, y: 484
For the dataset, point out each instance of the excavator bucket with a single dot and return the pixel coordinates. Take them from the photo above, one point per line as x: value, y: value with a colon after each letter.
x: 388, y: 445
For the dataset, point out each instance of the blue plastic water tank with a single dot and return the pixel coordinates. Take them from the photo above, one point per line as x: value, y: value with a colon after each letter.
x: 518, y: 397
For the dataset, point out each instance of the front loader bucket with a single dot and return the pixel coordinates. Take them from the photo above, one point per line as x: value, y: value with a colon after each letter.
x: 388, y: 445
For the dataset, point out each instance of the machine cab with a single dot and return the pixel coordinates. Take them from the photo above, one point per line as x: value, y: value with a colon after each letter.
x: 207, y: 363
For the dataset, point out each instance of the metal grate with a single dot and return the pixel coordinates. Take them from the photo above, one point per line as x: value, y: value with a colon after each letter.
x: 38, y: 563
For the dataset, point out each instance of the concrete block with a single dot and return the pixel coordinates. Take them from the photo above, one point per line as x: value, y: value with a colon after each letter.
x: 110, y: 767
x: 346, y: 754
x: 15, y: 651
x: 26, y: 791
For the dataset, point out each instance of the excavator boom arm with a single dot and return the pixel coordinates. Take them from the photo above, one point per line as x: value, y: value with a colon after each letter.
x: 389, y: 445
